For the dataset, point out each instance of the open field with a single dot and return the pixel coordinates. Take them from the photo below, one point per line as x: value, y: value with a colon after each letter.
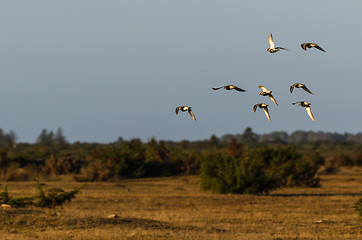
x: 175, y: 208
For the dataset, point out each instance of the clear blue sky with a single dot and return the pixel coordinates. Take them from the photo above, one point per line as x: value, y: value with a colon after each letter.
x: 104, y: 69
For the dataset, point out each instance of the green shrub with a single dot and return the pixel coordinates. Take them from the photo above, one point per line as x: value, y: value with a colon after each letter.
x: 258, y: 170
x: 50, y: 200
x: 259, y: 174
x: 218, y: 173
x: 295, y: 169
x: 53, y: 199
x: 221, y: 173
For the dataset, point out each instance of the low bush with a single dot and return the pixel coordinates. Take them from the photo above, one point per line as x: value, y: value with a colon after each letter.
x: 250, y: 174
x: 53, y: 199
x: 258, y: 170
x: 50, y: 199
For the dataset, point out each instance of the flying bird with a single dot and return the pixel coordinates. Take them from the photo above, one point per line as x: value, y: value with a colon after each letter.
x: 307, y: 107
x: 299, y: 85
x: 264, y: 107
x: 230, y: 87
x: 184, y: 109
x: 311, y: 45
x: 272, y: 48
x: 266, y: 92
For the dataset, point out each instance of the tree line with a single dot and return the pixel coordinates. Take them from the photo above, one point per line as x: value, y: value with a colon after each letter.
x: 52, y: 155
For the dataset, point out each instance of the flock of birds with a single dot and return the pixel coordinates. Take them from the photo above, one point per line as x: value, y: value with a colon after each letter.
x: 265, y: 91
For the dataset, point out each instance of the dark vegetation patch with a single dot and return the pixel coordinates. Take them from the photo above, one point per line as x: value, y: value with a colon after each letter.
x: 52, y: 199
x: 258, y: 170
x: 52, y: 156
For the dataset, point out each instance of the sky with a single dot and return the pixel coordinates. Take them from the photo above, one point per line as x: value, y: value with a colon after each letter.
x: 107, y: 69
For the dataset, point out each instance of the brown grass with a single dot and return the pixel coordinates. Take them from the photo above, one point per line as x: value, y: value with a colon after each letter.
x: 175, y: 208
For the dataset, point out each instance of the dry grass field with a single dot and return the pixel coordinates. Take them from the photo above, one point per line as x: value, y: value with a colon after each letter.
x: 175, y: 208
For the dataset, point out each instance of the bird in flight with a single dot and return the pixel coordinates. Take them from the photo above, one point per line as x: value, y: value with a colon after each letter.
x: 311, y: 45
x: 299, y: 85
x: 307, y: 107
x: 272, y: 48
x: 184, y: 109
x: 230, y: 87
x: 266, y: 92
x: 264, y: 107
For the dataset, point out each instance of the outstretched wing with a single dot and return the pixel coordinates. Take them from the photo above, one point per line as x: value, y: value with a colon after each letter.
x: 309, y: 111
x: 272, y: 98
x: 216, y: 88
x: 306, y: 89
x: 192, y: 114
x: 281, y: 48
x: 267, y: 113
x: 292, y: 87
x: 270, y: 40
x: 263, y: 88
x: 304, y: 46
x: 256, y: 106
x: 318, y: 47
x: 239, y: 89
x: 177, y: 109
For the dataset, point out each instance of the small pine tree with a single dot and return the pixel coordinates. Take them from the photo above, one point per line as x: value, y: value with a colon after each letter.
x: 53, y: 199
x: 50, y: 200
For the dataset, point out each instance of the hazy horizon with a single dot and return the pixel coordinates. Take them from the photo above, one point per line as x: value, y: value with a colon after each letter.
x: 18, y: 140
